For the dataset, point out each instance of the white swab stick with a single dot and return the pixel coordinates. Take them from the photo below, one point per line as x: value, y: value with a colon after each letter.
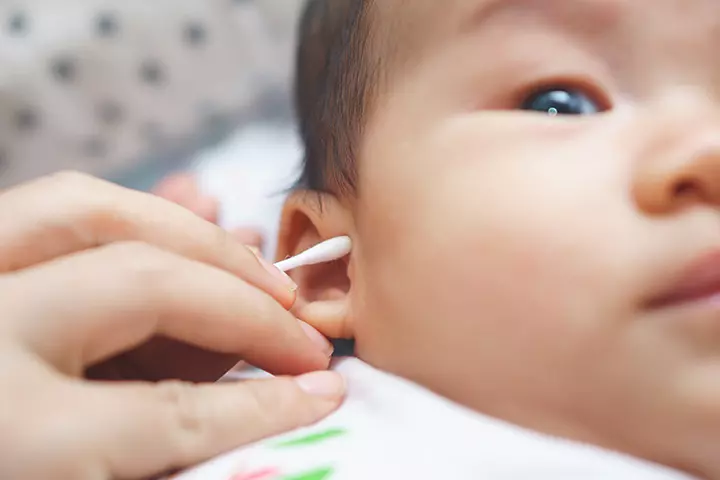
x: 327, y: 251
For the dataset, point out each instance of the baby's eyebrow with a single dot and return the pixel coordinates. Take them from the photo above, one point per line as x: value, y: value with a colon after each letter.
x: 594, y: 15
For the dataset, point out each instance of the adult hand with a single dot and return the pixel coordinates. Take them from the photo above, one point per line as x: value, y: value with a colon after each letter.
x: 101, y: 282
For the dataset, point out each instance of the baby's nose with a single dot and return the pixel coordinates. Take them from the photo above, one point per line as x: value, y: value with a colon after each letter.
x: 681, y: 169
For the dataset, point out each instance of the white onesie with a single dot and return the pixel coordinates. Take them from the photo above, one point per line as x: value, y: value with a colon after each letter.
x: 389, y: 428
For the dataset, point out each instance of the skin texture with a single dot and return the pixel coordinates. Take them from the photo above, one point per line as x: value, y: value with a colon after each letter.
x: 149, y: 300
x: 507, y: 259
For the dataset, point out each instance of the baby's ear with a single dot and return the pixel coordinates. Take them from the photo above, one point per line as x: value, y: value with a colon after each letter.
x: 323, y: 297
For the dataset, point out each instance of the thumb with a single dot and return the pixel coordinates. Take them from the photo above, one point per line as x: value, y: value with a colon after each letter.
x: 142, y: 429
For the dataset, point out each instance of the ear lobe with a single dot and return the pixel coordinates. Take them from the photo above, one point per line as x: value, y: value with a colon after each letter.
x: 323, y: 297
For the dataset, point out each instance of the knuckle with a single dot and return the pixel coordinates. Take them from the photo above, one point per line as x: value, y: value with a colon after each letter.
x: 66, y: 187
x: 71, y: 184
x: 91, y: 213
x: 183, y: 406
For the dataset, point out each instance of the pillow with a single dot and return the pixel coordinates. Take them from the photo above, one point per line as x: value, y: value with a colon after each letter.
x: 112, y: 87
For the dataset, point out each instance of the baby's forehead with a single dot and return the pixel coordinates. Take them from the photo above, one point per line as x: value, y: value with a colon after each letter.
x: 406, y: 29
x: 410, y: 25
x: 407, y: 25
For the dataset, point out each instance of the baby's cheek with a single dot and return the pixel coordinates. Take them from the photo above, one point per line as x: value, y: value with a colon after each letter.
x: 479, y: 290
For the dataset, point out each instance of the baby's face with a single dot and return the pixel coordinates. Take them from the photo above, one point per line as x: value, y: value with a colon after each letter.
x: 561, y: 272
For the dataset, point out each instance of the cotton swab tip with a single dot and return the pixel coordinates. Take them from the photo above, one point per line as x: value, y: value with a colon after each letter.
x: 327, y: 251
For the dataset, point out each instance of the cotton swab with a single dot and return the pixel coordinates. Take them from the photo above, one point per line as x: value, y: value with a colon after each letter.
x: 327, y: 251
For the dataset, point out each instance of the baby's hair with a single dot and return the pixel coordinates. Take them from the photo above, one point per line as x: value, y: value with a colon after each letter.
x: 334, y: 87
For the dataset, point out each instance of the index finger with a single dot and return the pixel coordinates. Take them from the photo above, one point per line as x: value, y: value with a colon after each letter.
x: 71, y: 212
x: 132, y: 293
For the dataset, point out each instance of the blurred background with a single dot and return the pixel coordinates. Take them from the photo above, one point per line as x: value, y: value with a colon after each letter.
x: 135, y: 90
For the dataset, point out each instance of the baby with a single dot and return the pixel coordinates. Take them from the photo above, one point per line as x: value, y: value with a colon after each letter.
x: 532, y: 189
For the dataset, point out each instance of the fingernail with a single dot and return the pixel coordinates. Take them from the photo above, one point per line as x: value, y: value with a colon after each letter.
x: 317, y: 338
x: 328, y: 385
x: 276, y: 272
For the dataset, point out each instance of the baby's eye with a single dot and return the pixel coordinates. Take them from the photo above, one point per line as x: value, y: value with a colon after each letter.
x: 561, y: 101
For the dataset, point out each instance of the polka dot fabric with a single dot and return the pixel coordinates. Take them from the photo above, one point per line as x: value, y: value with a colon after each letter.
x: 102, y: 86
